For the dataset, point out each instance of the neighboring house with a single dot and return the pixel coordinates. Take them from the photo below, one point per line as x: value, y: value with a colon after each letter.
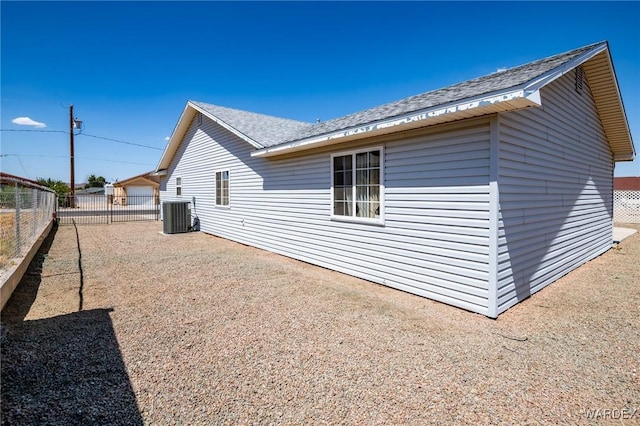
x: 630, y: 183
x: 90, y: 191
x: 476, y: 195
x: 142, y: 189
x: 89, y: 198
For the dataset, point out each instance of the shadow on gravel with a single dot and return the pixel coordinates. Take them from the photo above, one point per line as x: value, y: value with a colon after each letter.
x: 24, y: 295
x: 65, y: 370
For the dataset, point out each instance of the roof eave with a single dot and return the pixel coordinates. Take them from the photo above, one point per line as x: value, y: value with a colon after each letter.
x: 622, y: 133
x: 561, y: 70
x: 512, y: 99
x: 222, y: 123
x: 181, y: 128
x: 176, y: 136
x: 618, y: 132
x: 629, y: 156
x: 126, y: 182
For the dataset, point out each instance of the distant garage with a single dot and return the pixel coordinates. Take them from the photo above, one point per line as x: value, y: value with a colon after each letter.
x: 137, y: 191
x: 139, y: 195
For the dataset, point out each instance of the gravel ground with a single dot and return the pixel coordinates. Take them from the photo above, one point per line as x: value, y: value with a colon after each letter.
x: 193, y: 329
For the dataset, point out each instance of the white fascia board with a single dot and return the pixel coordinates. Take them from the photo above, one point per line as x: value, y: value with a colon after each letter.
x: 558, y: 72
x: 228, y: 127
x: 181, y: 128
x: 169, y: 148
x: 513, y: 94
x: 632, y: 156
x: 572, y: 64
x: 624, y: 157
x: 534, y: 97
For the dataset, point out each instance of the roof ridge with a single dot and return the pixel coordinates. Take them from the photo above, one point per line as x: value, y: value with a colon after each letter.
x: 484, y: 84
x: 258, y: 129
x: 314, y: 129
x: 206, y: 104
x: 504, y: 90
x: 472, y: 80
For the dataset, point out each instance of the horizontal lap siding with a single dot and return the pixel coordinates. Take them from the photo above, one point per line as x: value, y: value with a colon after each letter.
x: 435, y: 239
x: 555, y: 180
x: 192, y: 162
x: 437, y: 189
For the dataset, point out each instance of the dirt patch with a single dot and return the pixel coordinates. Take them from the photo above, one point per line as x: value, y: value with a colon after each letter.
x: 197, y: 329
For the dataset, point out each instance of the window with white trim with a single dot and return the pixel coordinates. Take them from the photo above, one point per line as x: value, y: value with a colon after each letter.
x: 357, y: 191
x: 222, y: 188
x: 178, y: 186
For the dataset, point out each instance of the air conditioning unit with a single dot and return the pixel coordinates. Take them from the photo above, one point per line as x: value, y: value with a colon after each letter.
x: 176, y: 217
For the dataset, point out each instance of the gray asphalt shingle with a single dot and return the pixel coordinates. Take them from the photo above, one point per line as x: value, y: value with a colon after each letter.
x: 271, y: 131
x: 267, y: 130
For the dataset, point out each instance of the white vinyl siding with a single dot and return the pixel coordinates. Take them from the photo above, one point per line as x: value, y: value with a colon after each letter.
x: 555, y: 180
x: 435, y: 238
x: 437, y: 210
x: 549, y: 174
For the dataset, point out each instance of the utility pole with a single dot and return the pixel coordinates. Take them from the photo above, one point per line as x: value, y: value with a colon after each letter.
x: 72, y: 170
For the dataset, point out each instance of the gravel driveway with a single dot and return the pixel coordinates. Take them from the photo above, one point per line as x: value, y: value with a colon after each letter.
x: 145, y: 328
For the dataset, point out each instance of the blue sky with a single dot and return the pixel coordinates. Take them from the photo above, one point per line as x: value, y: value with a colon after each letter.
x: 129, y: 67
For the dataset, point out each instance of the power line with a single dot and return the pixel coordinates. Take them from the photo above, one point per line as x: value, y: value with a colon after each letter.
x: 119, y: 141
x: 79, y: 158
x: 22, y: 165
x: 32, y: 130
x: 20, y: 161
x: 115, y: 161
x: 83, y: 134
x: 36, y: 155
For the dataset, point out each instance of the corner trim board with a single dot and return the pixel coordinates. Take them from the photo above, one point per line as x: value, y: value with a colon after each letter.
x: 494, y: 212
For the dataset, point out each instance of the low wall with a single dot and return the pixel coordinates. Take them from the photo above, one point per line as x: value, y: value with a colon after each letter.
x: 13, y: 276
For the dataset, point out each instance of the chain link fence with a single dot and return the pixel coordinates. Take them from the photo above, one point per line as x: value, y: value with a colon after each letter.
x: 26, y: 208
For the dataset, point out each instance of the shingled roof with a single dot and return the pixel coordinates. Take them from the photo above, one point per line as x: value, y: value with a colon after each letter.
x: 506, y: 90
x: 468, y: 89
x: 266, y: 130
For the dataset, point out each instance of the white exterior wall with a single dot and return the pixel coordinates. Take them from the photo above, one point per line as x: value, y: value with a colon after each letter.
x: 555, y: 175
x: 435, y: 240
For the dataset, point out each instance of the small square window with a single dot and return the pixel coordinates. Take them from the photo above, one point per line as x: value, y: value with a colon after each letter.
x: 178, y: 186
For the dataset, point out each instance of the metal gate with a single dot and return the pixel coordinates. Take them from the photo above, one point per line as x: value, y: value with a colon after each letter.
x: 96, y: 209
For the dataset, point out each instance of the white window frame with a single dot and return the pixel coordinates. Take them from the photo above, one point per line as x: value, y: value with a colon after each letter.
x: 215, y: 189
x: 354, y: 218
x: 178, y: 186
